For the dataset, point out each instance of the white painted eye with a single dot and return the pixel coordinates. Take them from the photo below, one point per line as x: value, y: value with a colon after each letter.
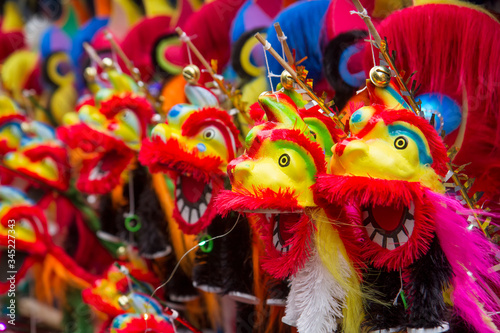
x: 208, y: 134
x: 131, y: 119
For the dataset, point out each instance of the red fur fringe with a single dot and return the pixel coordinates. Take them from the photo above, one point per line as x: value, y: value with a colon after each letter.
x: 139, y: 105
x: 104, y: 185
x: 164, y: 157
x: 60, y: 157
x: 281, y: 265
x: 241, y: 199
x: 191, y: 125
x: 89, y: 140
x: 11, y: 117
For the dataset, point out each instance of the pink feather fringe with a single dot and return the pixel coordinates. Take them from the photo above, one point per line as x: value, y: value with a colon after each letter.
x: 467, y: 251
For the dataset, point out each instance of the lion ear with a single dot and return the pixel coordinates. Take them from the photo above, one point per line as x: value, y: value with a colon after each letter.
x: 281, y: 109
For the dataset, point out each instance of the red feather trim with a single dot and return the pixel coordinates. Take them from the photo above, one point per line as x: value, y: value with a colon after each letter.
x: 139, y: 105
x: 120, y: 162
x: 159, y: 156
x: 60, y: 157
x: 241, y: 199
x: 193, y: 122
x: 256, y: 112
x: 289, y: 135
x: 301, y: 140
x: 89, y: 140
x: 35, y: 217
x: 12, y: 117
x: 282, y: 265
x: 99, y: 303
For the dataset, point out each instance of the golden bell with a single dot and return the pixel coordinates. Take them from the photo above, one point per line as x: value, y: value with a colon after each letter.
x: 124, y: 302
x: 191, y: 73
x: 287, y: 80
x: 121, y: 253
x: 108, y: 64
x: 90, y: 74
x: 380, y: 76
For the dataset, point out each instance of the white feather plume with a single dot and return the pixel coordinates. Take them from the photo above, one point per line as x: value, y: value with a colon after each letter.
x: 315, y: 300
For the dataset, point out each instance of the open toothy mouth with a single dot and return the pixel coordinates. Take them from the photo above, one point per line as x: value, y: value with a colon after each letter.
x: 389, y: 227
x: 97, y: 172
x: 281, y: 224
x: 102, y: 173
x: 192, y: 198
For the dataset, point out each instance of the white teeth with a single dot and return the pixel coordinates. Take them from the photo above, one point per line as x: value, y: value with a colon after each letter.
x: 369, y: 229
x: 379, y: 239
x: 178, y: 192
x: 402, y: 238
x: 390, y: 244
x: 409, y: 224
x: 412, y: 208
x: 185, y: 214
x: 276, y: 239
x: 180, y: 204
x: 202, y: 208
x: 208, y: 195
x: 194, y: 216
x: 93, y: 174
x: 268, y: 217
x: 96, y: 173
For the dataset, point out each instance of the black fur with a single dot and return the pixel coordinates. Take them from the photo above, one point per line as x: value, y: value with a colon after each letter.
x: 383, y: 314
x: 152, y: 237
x: 429, y: 277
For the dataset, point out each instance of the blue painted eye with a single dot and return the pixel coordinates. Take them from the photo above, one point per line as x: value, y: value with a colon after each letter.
x: 356, y: 117
x: 174, y: 112
x: 201, y: 147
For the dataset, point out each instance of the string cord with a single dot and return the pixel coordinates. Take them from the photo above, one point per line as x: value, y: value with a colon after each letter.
x: 185, y: 38
x: 183, y: 256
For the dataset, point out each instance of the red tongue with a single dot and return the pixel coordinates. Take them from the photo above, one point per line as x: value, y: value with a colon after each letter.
x: 191, y: 188
x: 287, y: 221
x: 388, y: 218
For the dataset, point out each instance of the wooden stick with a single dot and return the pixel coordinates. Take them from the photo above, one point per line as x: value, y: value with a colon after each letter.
x: 281, y: 35
x: 123, y: 56
x: 382, y: 46
x: 203, y: 61
x: 92, y: 54
x: 133, y: 70
x: 368, y: 21
x: 294, y: 75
